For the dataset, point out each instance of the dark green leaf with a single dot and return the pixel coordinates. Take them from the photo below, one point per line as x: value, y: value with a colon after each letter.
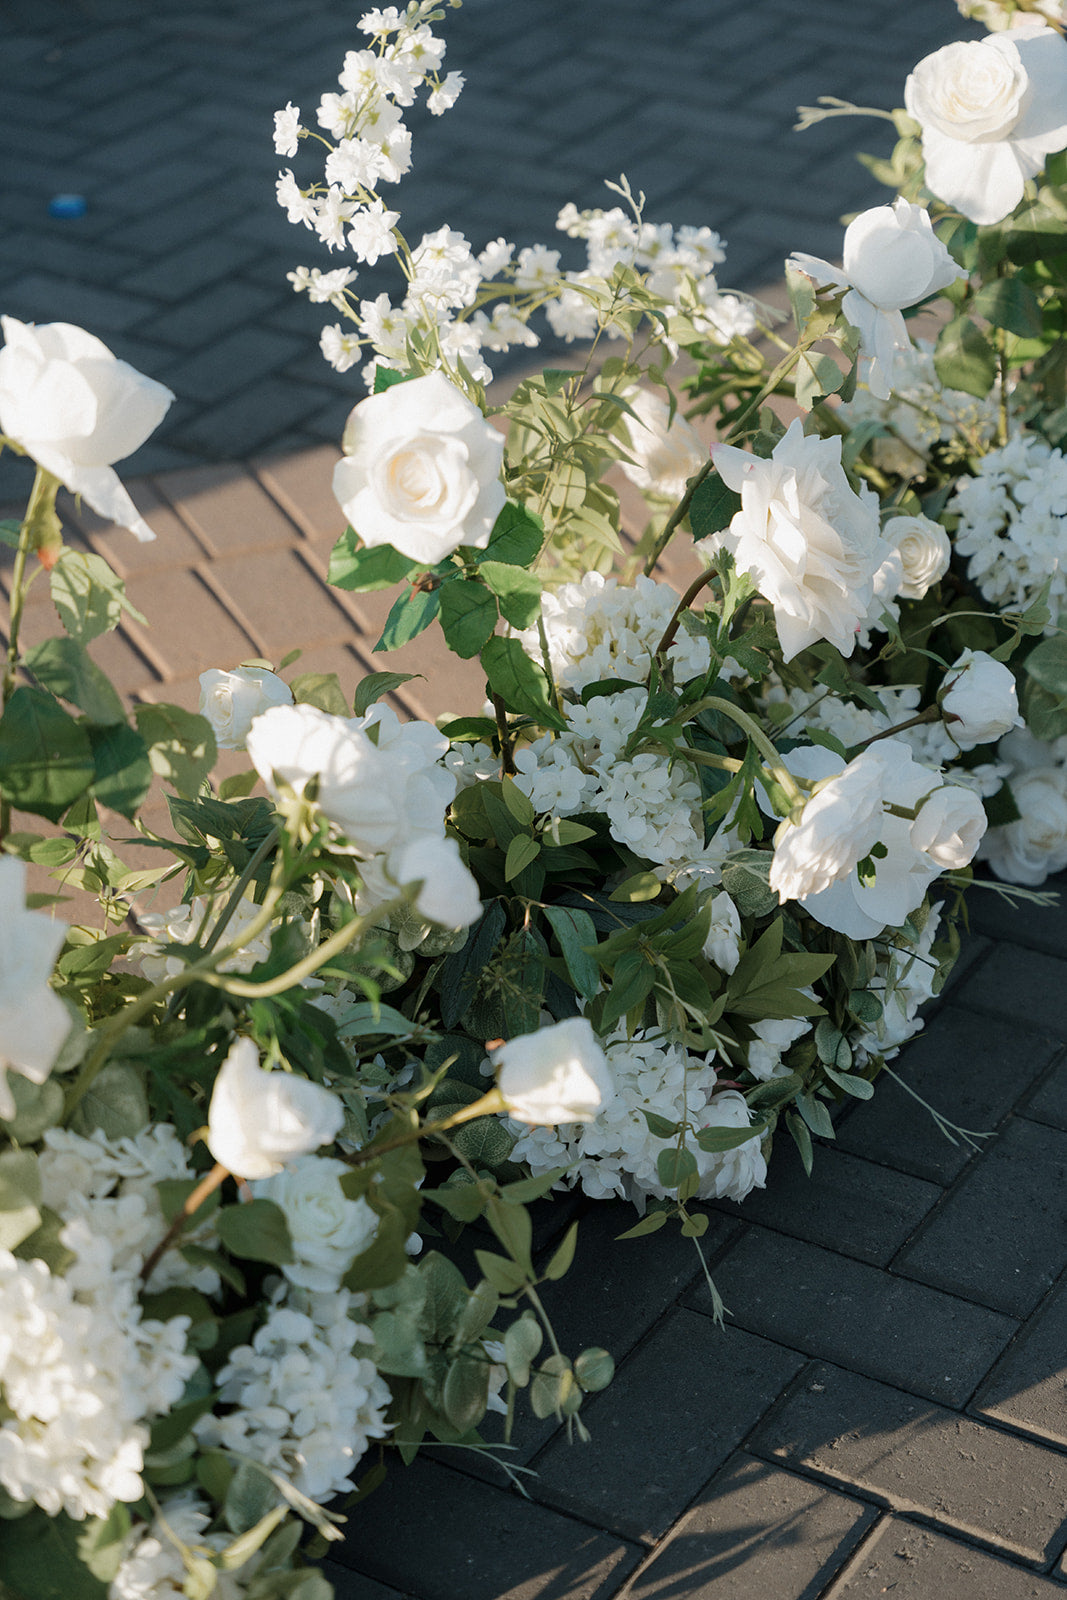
x: 46, y: 759
x: 410, y: 615
x: 256, y: 1231
x: 377, y: 684
x: 964, y: 358
x: 562, y: 1257
x: 521, y: 684
x: 674, y: 1166
x: 518, y: 591
x: 516, y: 538
x: 123, y: 772
x: 64, y: 667
x: 712, y: 507
x: 181, y: 745
x: 1009, y: 303
x: 366, y: 568
x: 468, y: 616
x: 577, y: 940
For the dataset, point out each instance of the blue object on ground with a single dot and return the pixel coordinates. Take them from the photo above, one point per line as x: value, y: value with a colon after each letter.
x: 67, y: 206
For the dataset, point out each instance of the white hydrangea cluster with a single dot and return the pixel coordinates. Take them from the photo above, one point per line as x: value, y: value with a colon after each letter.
x: 152, y: 1568
x: 1013, y: 523
x: 81, y: 1374
x: 616, y: 1154
x: 105, y: 1192
x: 185, y: 924
x: 652, y: 806
x: 921, y: 414
x: 599, y: 629
x: 304, y: 1402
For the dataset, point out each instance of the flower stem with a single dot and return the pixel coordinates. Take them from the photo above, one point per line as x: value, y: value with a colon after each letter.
x: 486, y: 1105
x: 682, y: 607
x: 751, y: 727
x: 207, y: 1186
x: 310, y: 963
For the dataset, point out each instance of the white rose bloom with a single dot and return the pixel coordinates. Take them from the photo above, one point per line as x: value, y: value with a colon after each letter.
x: 76, y: 409
x: 558, y: 1074
x: 33, y: 1020
x: 230, y: 701
x: 979, y: 703
x: 1028, y: 850
x: 328, y: 1229
x: 991, y: 111
x: 839, y: 824
x: 379, y: 795
x: 421, y: 470
x: 259, y: 1121
x: 892, y: 259
x: 811, y: 544
x: 924, y: 549
x: 950, y: 826
x: 723, y: 944
x: 666, y: 451
x: 449, y: 894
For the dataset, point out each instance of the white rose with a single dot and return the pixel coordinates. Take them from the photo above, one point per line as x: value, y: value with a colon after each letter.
x: 990, y: 111
x: 892, y: 259
x: 34, y: 1022
x: 924, y: 549
x: 979, y: 702
x: 258, y: 1121
x: 449, y: 893
x: 558, y: 1074
x: 1028, y: 850
x: 811, y: 545
x: 230, y: 701
x: 421, y: 470
x: 666, y: 453
x: 950, y: 826
x: 837, y: 827
x: 76, y: 409
x: 379, y: 796
x: 328, y: 1230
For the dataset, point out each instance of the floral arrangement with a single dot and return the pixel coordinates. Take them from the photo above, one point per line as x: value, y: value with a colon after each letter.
x: 680, y: 884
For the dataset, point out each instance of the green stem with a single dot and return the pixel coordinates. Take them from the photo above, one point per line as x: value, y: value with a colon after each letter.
x: 682, y: 607
x: 535, y: 1300
x: 931, y: 714
x: 749, y: 726
x: 487, y: 1105
x: 311, y: 963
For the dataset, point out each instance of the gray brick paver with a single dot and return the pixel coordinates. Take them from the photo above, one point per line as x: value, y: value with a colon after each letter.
x: 911, y: 1563
x: 924, y: 1460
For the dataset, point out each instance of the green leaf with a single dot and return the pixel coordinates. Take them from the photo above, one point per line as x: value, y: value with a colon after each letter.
x: 236, y: 1554
x: 377, y: 684
x: 123, y: 770
x: 10, y: 532
x: 858, y: 1088
x: 466, y: 1391
x: 744, y: 877
x: 89, y: 597
x: 363, y: 569
x: 1009, y: 303
x: 181, y: 745
x: 964, y: 358
x: 256, y: 1231
x: 554, y: 1389
x: 521, y: 684
x: 521, y: 851
x: 39, y: 1560
x: 516, y: 538
x: 115, y: 1103
x: 64, y: 667
x: 518, y: 591
x: 1047, y: 665
x: 386, y: 377
x: 801, y: 1138
x: 816, y: 376
x: 514, y: 1229
x: 636, y: 890
x: 38, y: 1106
x: 484, y: 1142
x: 560, y: 1262
x: 577, y: 940
x: 412, y: 613
x: 505, y: 1276
x: 675, y: 1166
x: 594, y: 1368
x: 101, y: 1544
x: 522, y: 1343
x: 20, y: 1197
x: 322, y: 690
x: 715, y: 1139
x: 468, y: 616
x: 652, y: 1222
x: 815, y: 1115
x: 46, y: 758
x: 250, y: 1496
x: 713, y: 506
